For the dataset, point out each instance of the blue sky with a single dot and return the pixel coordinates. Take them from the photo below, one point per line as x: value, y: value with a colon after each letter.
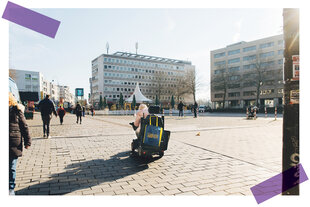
x: 187, y: 34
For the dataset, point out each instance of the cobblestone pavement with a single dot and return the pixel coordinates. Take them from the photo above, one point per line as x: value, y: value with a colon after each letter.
x: 93, y: 158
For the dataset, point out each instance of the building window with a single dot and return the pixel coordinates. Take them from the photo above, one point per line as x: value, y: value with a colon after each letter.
x: 267, y: 64
x: 250, y: 66
x: 231, y: 86
x: 251, y: 48
x: 235, y: 94
x: 219, y: 71
x: 249, y: 84
x: 218, y: 55
x: 235, y: 60
x: 250, y: 57
x: 265, y: 45
x: 234, y: 77
x: 249, y: 93
x: 220, y: 63
x: 280, y: 61
x: 233, y: 52
x: 266, y: 54
x: 280, y: 52
x: 28, y: 76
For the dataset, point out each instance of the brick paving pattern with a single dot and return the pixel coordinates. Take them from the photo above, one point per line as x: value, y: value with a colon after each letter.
x: 94, y: 158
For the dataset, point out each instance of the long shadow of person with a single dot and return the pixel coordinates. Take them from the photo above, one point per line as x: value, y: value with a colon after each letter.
x: 87, y: 174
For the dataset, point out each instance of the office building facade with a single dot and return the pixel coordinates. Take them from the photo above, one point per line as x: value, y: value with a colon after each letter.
x: 33, y: 81
x: 117, y: 73
x: 248, y: 73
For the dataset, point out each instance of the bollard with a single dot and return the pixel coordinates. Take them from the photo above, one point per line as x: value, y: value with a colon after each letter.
x: 275, y: 113
x: 163, y: 112
x: 247, y: 113
x: 265, y: 112
x: 254, y: 114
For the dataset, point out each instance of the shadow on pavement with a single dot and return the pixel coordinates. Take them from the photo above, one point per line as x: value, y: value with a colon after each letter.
x: 82, y: 175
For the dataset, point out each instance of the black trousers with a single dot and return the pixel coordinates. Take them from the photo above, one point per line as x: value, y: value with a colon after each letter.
x: 46, y: 124
x: 180, y: 112
x: 61, y: 118
x: 77, y: 118
x: 195, y: 113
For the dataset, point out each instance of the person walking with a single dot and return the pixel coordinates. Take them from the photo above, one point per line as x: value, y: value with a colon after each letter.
x: 18, y: 136
x: 195, y: 107
x: 180, y: 108
x: 83, y: 111
x: 78, y: 112
x: 61, y: 113
x: 92, y: 110
x: 47, y: 107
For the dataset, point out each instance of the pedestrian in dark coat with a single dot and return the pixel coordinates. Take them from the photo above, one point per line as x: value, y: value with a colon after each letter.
x: 78, y: 112
x: 180, y: 108
x: 195, y: 107
x: 47, y: 107
x: 61, y: 113
x: 18, y: 137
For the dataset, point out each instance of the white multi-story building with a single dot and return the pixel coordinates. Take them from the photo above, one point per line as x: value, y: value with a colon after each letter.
x: 32, y: 81
x: 65, y: 94
x: 117, y: 73
x: 242, y: 70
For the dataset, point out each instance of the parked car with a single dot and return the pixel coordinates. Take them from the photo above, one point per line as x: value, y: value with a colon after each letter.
x: 202, y: 108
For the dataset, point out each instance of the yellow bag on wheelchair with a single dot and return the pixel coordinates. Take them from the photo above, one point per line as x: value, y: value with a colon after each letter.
x: 152, y: 134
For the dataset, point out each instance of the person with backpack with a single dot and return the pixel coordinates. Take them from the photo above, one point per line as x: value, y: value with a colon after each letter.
x: 19, y: 137
x: 78, y: 112
x: 46, y: 107
x: 61, y: 113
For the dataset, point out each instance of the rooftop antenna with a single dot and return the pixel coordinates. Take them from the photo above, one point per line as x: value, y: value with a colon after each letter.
x: 136, y: 47
x: 107, y: 46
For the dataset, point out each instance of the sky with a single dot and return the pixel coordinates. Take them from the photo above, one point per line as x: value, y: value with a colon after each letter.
x: 185, y: 34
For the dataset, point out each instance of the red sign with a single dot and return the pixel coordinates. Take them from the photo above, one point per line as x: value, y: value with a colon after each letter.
x: 295, y: 59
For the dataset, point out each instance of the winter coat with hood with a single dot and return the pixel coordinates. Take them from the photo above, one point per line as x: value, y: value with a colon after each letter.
x: 18, y: 132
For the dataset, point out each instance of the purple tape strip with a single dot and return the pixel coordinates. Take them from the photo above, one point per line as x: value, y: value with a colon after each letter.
x: 273, y: 186
x: 31, y: 19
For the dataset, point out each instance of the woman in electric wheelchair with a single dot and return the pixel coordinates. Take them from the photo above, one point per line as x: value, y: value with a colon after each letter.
x: 142, y: 112
x: 151, y: 137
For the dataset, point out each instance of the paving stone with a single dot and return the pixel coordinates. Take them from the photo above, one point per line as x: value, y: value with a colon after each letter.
x: 80, y: 163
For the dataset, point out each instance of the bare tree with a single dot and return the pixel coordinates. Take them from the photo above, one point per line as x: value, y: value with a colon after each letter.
x: 259, y: 75
x: 192, y: 83
x: 179, y: 90
x: 220, y: 81
x: 158, y: 83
